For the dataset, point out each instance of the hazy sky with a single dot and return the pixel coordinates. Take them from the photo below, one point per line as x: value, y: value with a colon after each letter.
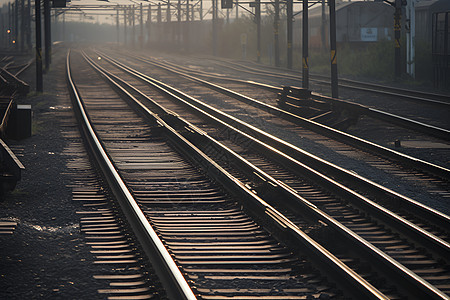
x: 112, y: 2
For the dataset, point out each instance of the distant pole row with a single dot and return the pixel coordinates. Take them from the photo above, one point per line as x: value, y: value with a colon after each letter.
x: 126, y: 17
x: 15, y: 25
x: 47, y: 41
x: 19, y: 20
x: 16, y: 32
x: 181, y: 32
x: 228, y: 4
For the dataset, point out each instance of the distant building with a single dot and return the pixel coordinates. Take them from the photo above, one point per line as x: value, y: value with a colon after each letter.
x: 357, y: 22
x: 424, y: 15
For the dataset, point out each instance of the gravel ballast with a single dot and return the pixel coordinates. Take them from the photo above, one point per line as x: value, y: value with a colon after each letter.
x: 46, y: 256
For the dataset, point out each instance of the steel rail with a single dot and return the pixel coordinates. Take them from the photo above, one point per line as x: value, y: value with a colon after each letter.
x: 404, y: 122
x: 13, y: 166
x: 5, y: 117
x: 435, y: 131
x: 427, y: 95
x: 277, y: 187
x: 373, y: 88
x: 407, y: 93
x: 171, y: 277
x: 255, y: 205
x: 325, y: 130
x: 431, y: 215
x: 25, y: 67
x: 442, y: 247
x: 22, y: 87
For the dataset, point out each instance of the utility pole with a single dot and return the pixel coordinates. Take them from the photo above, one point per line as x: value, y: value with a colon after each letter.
x: 47, y: 32
x: 188, y: 12
x: 28, y: 13
x: 305, y: 46
x: 276, y: 33
x: 10, y: 23
x: 149, y: 22
x: 159, y: 20
x: 397, y: 36
x: 168, y: 15
x: 258, y: 29
x: 290, y: 17
x: 55, y: 24
x: 333, y: 54
x: 411, y: 38
x: 228, y: 16
x: 133, y: 20
x: 22, y: 25
x: 168, y: 18
x: 125, y: 20
x: 141, y: 32
x: 64, y: 26
x: 2, y: 28
x: 188, y: 27
x: 214, y: 24
x: 39, y: 81
x: 179, y: 23
x: 323, y: 27
x: 117, y: 24
x: 16, y: 24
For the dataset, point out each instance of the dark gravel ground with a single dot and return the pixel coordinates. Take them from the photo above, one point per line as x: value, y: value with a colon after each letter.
x: 46, y: 256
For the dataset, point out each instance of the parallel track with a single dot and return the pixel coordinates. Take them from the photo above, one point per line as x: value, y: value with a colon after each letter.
x: 400, y: 115
x: 322, y: 103
x: 412, y: 95
x: 388, y: 164
x: 212, y: 240
x: 190, y: 102
x: 324, y: 200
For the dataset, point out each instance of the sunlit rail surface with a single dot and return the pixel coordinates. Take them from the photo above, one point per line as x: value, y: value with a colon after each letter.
x: 240, y: 206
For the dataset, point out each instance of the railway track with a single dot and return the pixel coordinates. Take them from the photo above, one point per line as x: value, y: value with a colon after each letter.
x: 288, y: 148
x: 386, y: 160
x: 182, y: 198
x: 319, y: 107
x: 383, y: 89
x: 118, y: 264
x: 11, y: 87
x: 411, y: 95
x: 248, y: 169
x: 11, y: 84
x: 400, y: 114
